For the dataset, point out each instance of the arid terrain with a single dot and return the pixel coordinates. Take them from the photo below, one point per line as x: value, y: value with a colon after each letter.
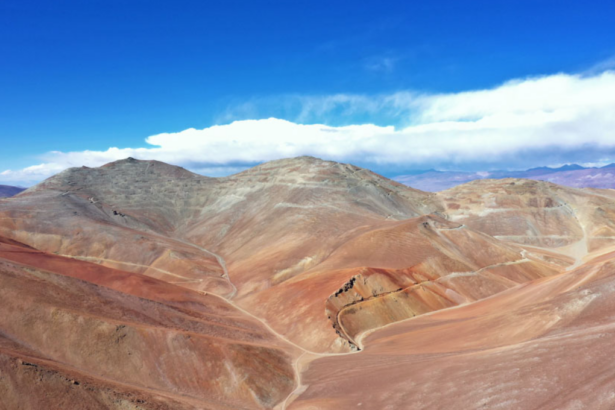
x: 304, y: 284
x: 8, y: 191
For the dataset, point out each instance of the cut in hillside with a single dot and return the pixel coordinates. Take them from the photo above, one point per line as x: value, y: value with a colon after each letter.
x: 543, y: 345
x: 393, y: 272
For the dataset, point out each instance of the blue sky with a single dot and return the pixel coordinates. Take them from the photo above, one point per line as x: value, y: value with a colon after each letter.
x: 83, y: 76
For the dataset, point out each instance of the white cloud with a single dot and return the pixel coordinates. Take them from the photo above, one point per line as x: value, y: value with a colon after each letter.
x: 32, y: 173
x: 559, y: 115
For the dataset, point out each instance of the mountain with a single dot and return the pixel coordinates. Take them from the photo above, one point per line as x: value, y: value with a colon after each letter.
x: 572, y: 175
x: 569, y: 167
x: 542, y: 345
x: 288, y: 284
x: 535, y: 213
x: 8, y: 191
x: 505, y: 351
x: 288, y: 226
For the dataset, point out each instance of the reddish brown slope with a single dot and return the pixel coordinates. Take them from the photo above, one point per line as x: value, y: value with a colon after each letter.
x: 122, y: 215
x: 268, y: 224
x: 280, y: 239
x: 130, y: 339
x: 280, y: 219
x: 543, y: 345
x: 161, y: 220
x: 325, y: 253
x: 395, y: 271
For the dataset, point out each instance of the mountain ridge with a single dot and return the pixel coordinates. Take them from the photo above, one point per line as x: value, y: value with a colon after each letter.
x: 572, y: 175
x: 7, y: 191
x: 230, y: 235
x: 304, y: 261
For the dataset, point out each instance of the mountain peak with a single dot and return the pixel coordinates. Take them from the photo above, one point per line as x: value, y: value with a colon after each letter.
x: 569, y: 167
x: 124, y: 172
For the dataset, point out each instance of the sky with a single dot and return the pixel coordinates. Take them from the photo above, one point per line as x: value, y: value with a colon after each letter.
x: 220, y: 86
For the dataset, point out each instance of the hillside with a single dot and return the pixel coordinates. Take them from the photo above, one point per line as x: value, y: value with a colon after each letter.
x: 260, y: 234
x: 107, y: 338
x: 293, y: 262
x: 543, y: 345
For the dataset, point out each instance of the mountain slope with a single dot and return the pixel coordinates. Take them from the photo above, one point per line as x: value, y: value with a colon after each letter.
x: 122, y: 215
x: 7, y: 191
x: 301, y: 283
x: 257, y: 236
x: 544, y: 345
x: 574, y: 176
x: 134, y: 341
x: 395, y: 271
x: 535, y: 213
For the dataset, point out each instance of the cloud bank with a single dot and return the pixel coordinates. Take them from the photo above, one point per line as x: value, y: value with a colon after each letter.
x: 527, y: 122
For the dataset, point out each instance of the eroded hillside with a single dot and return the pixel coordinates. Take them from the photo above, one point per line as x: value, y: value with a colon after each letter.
x: 75, y: 332
x: 211, y: 282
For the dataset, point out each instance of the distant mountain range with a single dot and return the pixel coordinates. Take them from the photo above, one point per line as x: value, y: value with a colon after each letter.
x: 572, y: 175
x: 7, y: 191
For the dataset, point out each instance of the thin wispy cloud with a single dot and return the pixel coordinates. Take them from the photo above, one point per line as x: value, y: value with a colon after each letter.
x: 382, y: 64
x: 602, y: 66
x: 332, y: 109
x: 535, y: 121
